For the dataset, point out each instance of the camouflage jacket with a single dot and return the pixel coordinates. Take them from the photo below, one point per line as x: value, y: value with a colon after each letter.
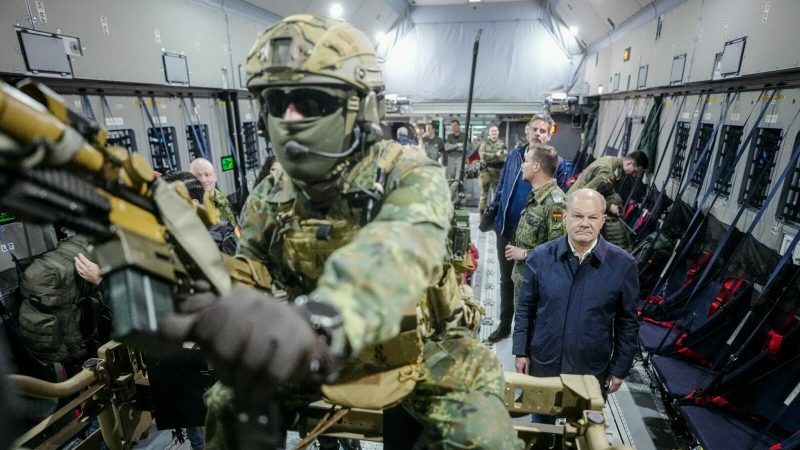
x: 434, y: 147
x: 452, y: 141
x: 493, y: 153
x: 379, y: 269
x: 542, y: 219
x: 223, y: 207
x: 601, y: 175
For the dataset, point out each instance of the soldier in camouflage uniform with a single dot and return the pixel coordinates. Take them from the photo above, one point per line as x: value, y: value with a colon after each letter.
x: 433, y: 144
x: 204, y: 171
x: 602, y: 176
x: 354, y: 256
x: 542, y: 219
x: 493, y: 154
x: 454, y: 148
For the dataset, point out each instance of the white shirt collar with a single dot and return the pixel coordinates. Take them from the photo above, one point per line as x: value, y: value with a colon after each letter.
x: 588, y: 252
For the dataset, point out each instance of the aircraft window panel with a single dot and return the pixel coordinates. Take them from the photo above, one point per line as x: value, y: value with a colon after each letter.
x: 45, y: 52
x: 124, y: 138
x: 706, y: 130
x: 195, y: 150
x: 678, y: 64
x: 732, y: 57
x: 679, y: 149
x: 252, y: 159
x: 726, y: 154
x: 176, y: 68
x: 163, y: 149
x: 789, y: 206
x: 642, y: 80
x: 760, y: 165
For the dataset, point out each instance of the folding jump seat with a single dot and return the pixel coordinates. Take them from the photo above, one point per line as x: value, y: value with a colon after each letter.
x: 699, y: 358
x: 755, y: 408
x: 660, y: 332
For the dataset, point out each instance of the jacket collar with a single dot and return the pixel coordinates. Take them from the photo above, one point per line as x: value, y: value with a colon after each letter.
x: 542, y: 191
x: 564, y: 251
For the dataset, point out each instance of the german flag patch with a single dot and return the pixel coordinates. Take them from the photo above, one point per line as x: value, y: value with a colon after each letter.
x: 557, y: 215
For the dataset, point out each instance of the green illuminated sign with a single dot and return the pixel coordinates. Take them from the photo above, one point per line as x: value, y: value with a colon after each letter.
x: 228, y: 163
x: 6, y: 217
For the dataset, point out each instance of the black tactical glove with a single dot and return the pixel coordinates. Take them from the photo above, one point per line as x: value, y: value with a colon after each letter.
x: 254, y: 342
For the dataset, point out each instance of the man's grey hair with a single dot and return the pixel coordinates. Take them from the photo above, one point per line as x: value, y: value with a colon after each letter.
x: 402, y: 131
x: 590, y: 192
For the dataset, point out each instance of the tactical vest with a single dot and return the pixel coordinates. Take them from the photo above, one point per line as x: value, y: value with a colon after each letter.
x: 49, y: 315
x: 382, y: 374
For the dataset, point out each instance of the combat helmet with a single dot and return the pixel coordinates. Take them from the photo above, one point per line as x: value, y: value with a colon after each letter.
x: 327, y: 70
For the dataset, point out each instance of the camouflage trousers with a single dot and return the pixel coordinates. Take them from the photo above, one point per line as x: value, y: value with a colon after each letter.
x: 489, y: 178
x: 459, y: 403
x: 516, y: 277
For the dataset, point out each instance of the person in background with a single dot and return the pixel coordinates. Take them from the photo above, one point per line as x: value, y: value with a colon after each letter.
x: 434, y: 145
x: 404, y: 138
x: 603, y: 176
x: 511, y: 198
x: 576, y: 311
x: 204, y: 171
x: 543, y: 217
x: 493, y: 153
x: 223, y: 232
x: 454, y: 146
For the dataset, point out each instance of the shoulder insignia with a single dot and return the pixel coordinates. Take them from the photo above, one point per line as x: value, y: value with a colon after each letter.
x: 557, y: 215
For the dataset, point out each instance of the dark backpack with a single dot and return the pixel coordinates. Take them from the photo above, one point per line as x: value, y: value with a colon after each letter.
x: 50, y: 313
x: 224, y: 234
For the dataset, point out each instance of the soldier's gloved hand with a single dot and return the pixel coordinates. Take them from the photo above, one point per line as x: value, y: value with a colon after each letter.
x: 254, y: 342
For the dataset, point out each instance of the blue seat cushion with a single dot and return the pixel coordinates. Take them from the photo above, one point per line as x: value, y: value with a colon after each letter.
x: 679, y: 377
x: 651, y: 337
x: 717, y: 430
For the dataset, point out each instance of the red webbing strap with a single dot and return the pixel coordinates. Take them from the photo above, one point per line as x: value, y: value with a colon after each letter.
x: 691, y: 395
x: 776, y: 446
x: 663, y: 323
x: 721, y: 402
x: 697, y: 265
x: 773, y: 343
x: 641, y: 220
x: 629, y: 209
x: 688, y: 353
x: 728, y: 290
x: 654, y: 299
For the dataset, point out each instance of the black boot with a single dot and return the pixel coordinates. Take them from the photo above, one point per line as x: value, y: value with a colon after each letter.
x: 503, y: 331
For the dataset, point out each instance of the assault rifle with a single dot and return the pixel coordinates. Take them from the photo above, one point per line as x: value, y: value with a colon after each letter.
x: 150, y: 240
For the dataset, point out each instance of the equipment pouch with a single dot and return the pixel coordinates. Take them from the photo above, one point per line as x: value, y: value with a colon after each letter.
x: 381, y: 376
x: 487, y: 219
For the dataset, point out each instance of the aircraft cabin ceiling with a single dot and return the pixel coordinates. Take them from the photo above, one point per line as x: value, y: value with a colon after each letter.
x: 596, y: 18
x: 591, y: 19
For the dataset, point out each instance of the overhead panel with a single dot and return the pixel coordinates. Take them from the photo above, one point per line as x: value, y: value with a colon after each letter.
x: 616, y: 10
x: 281, y: 7
x: 581, y: 14
x: 373, y: 17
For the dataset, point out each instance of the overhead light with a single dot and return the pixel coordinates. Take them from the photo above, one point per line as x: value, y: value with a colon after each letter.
x: 380, y: 36
x: 474, y: 1
x: 336, y: 11
x: 574, y: 30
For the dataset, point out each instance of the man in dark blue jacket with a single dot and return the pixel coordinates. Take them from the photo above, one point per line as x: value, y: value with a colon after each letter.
x: 576, y: 311
x: 511, y: 198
